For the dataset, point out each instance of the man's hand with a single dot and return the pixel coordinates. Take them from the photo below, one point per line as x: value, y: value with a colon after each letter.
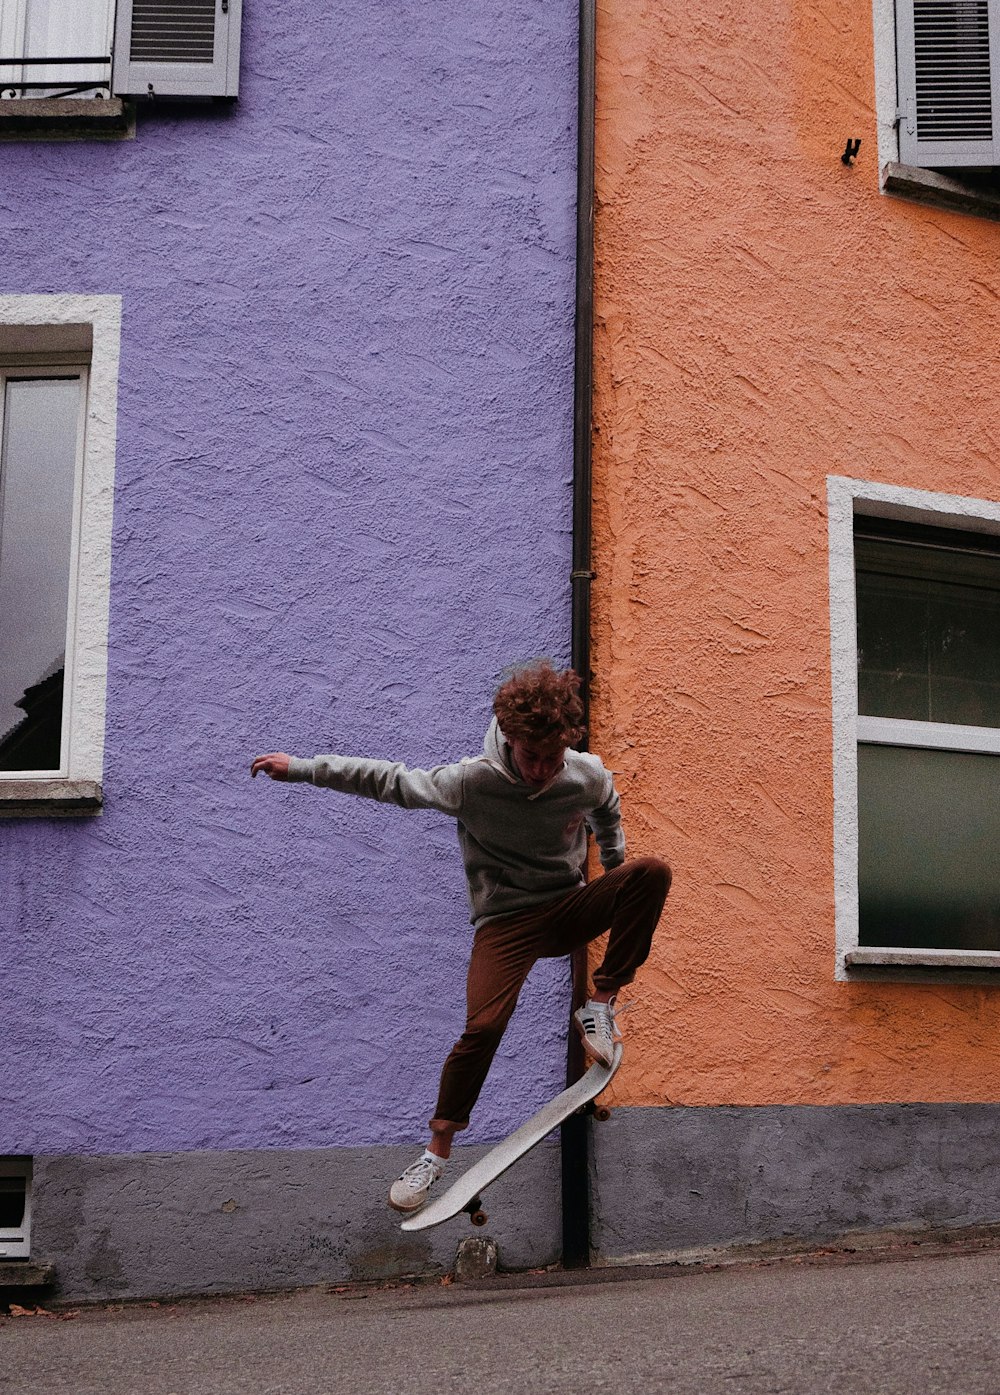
x: 275, y: 765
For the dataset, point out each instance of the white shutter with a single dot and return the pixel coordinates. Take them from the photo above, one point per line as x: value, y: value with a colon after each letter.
x: 948, y: 71
x: 177, y: 48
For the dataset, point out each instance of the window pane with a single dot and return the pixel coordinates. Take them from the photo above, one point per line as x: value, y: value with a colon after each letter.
x: 928, y: 634
x: 37, y: 477
x: 59, y: 30
x: 12, y: 1199
x: 893, y: 648
x: 929, y: 829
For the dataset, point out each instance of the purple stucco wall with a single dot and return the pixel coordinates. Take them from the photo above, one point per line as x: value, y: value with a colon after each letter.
x: 342, y: 505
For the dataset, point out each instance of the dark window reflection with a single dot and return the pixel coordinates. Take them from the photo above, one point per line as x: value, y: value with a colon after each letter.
x: 928, y: 834
x: 12, y: 1202
x: 929, y: 630
x: 34, y: 743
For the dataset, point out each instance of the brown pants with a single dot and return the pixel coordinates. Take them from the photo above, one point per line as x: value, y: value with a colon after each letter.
x: 628, y: 900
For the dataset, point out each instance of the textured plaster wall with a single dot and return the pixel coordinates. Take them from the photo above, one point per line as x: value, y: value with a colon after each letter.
x: 722, y: 1177
x: 342, y: 505
x: 161, y: 1224
x: 766, y: 318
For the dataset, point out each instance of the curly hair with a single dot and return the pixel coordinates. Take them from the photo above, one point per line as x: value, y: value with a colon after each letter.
x: 537, y: 702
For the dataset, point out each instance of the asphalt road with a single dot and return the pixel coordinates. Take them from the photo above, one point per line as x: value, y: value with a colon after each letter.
x: 915, y: 1328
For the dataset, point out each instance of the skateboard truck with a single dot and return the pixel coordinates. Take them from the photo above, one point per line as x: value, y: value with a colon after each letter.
x: 601, y: 1112
x: 475, y: 1209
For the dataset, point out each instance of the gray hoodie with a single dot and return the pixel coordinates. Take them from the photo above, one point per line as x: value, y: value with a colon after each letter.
x: 521, y: 844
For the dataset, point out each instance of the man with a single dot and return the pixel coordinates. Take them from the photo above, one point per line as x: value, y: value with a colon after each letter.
x: 524, y: 808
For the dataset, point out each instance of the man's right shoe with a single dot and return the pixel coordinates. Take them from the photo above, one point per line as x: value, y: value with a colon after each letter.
x: 410, y: 1191
x: 596, y: 1024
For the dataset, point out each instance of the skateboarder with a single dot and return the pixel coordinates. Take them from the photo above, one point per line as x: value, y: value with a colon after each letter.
x: 523, y: 807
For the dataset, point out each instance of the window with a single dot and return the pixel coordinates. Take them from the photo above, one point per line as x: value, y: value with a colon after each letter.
x: 915, y: 608
x: 42, y: 418
x: 120, y: 48
x: 937, y: 100
x: 177, y: 48
x: 58, y: 387
x: 946, y: 58
x: 64, y: 49
x: 15, y: 1208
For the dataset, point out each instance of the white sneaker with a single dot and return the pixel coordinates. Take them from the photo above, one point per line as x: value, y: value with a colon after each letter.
x: 597, y: 1026
x: 409, y: 1192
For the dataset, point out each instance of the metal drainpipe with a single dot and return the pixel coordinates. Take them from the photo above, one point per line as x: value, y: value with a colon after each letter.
x: 575, y: 1132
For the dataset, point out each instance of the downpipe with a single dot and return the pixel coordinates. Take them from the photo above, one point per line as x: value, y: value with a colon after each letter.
x: 575, y: 1132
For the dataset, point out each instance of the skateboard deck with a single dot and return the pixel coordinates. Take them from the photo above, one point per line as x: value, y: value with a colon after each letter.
x: 464, y: 1192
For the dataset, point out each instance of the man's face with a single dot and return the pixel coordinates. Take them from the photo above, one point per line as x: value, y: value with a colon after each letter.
x: 537, y: 761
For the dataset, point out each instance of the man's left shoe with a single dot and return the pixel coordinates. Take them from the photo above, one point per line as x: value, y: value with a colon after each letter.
x: 597, y: 1026
x: 409, y: 1192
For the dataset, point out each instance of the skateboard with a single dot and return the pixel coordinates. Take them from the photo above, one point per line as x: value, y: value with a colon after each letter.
x: 465, y: 1193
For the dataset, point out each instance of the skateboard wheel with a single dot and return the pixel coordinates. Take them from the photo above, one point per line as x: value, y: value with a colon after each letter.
x: 479, y: 1218
x: 603, y: 1113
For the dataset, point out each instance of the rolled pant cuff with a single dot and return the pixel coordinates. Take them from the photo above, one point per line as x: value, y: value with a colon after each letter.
x: 447, y: 1126
x: 607, y: 985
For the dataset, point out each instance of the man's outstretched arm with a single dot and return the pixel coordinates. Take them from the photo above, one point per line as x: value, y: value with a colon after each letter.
x: 390, y: 782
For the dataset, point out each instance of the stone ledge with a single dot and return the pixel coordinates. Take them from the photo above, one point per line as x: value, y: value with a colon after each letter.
x: 66, y: 118
x: 928, y: 186
x: 25, y: 1273
x: 888, y: 957
x: 55, y: 798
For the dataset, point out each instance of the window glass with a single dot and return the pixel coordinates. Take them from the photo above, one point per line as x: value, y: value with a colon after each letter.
x: 929, y: 829
x: 12, y: 1202
x: 928, y: 632
x: 38, y: 455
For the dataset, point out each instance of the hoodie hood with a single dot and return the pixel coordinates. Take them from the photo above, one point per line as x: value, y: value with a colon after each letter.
x: 498, y: 755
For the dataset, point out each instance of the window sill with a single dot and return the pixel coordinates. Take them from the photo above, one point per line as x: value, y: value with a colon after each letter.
x: 24, y: 1274
x: 66, y: 118
x: 20, y: 799
x: 873, y: 957
x: 928, y: 186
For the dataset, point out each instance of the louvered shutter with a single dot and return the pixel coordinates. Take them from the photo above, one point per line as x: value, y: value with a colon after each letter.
x: 177, y: 48
x: 948, y: 70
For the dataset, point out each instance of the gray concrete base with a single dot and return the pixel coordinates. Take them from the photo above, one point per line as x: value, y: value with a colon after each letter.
x: 165, y: 1225
x: 671, y: 1179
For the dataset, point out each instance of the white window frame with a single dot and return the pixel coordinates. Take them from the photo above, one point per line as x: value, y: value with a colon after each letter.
x: 846, y: 498
x: 886, y: 90
x: 78, y: 785
x: 13, y: 28
x: 15, y: 1243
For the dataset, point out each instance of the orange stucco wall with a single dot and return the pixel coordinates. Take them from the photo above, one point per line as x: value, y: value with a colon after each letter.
x: 765, y: 318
